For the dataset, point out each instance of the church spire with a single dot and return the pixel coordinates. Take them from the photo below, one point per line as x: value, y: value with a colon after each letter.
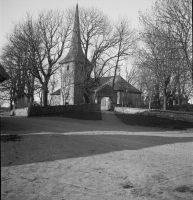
x: 76, y: 39
x: 75, y: 53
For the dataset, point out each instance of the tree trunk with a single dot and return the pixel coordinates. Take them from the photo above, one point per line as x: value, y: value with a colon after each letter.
x: 45, y: 97
x: 149, y: 103
x: 14, y: 104
x: 45, y: 94
x: 32, y: 91
x: 178, y: 90
x: 192, y: 75
x: 11, y: 104
x: 86, y: 98
x: 41, y: 99
x: 122, y: 99
x: 179, y: 95
x: 167, y: 81
x: 157, y: 94
x: 31, y: 96
x: 31, y: 100
x: 165, y: 99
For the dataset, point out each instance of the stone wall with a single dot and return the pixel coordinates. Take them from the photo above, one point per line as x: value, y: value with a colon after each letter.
x: 62, y: 110
x: 127, y: 110
x: 175, y: 115
x: 21, y: 112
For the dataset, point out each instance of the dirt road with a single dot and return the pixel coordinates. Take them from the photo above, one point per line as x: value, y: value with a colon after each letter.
x: 60, y: 158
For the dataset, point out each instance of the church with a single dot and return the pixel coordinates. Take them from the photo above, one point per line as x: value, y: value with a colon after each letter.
x: 72, y: 69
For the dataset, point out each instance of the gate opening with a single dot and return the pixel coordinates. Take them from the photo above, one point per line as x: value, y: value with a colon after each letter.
x: 106, y: 103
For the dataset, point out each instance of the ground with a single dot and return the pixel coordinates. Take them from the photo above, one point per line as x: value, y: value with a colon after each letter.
x: 57, y: 158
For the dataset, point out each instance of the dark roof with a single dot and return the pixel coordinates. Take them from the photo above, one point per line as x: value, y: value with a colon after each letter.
x: 57, y: 92
x: 75, y: 53
x: 120, y: 84
x: 3, y: 75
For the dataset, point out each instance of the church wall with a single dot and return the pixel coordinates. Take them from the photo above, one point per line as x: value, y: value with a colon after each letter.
x: 133, y: 99
x: 79, y: 77
x: 136, y: 99
x: 71, y: 83
x: 67, y: 84
x: 55, y: 100
x: 128, y: 99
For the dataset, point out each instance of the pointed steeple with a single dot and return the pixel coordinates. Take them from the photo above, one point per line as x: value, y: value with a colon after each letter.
x: 75, y: 53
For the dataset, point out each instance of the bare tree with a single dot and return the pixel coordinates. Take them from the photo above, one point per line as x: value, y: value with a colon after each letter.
x: 21, y: 83
x: 96, y: 32
x: 148, y: 82
x: 125, y: 42
x: 131, y: 72
x: 163, y: 52
x: 54, y: 33
x: 43, y: 39
x: 177, y: 14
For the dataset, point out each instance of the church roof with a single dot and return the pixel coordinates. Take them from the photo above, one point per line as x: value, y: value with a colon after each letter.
x: 120, y: 84
x: 3, y: 75
x: 57, y: 92
x: 75, y: 53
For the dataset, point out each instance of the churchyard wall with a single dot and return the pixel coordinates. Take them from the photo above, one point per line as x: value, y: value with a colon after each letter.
x: 62, y: 110
x: 175, y: 115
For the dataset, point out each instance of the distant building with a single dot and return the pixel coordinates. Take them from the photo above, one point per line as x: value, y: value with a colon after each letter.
x: 72, y: 77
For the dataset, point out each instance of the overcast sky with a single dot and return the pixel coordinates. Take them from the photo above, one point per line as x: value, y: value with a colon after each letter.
x: 14, y: 10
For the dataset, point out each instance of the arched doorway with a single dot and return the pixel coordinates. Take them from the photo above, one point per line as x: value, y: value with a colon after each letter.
x: 106, y: 103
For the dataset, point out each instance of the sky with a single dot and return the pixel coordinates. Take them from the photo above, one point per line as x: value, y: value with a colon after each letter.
x: 12, y: 11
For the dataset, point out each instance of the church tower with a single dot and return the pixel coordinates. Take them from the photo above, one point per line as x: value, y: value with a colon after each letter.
x: 72, y: 68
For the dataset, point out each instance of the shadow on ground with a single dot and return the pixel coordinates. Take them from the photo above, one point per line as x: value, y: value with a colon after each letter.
x: 81, y: 115
x: 27, y: 149
x: 90, y: 122
x: 109, y: 122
